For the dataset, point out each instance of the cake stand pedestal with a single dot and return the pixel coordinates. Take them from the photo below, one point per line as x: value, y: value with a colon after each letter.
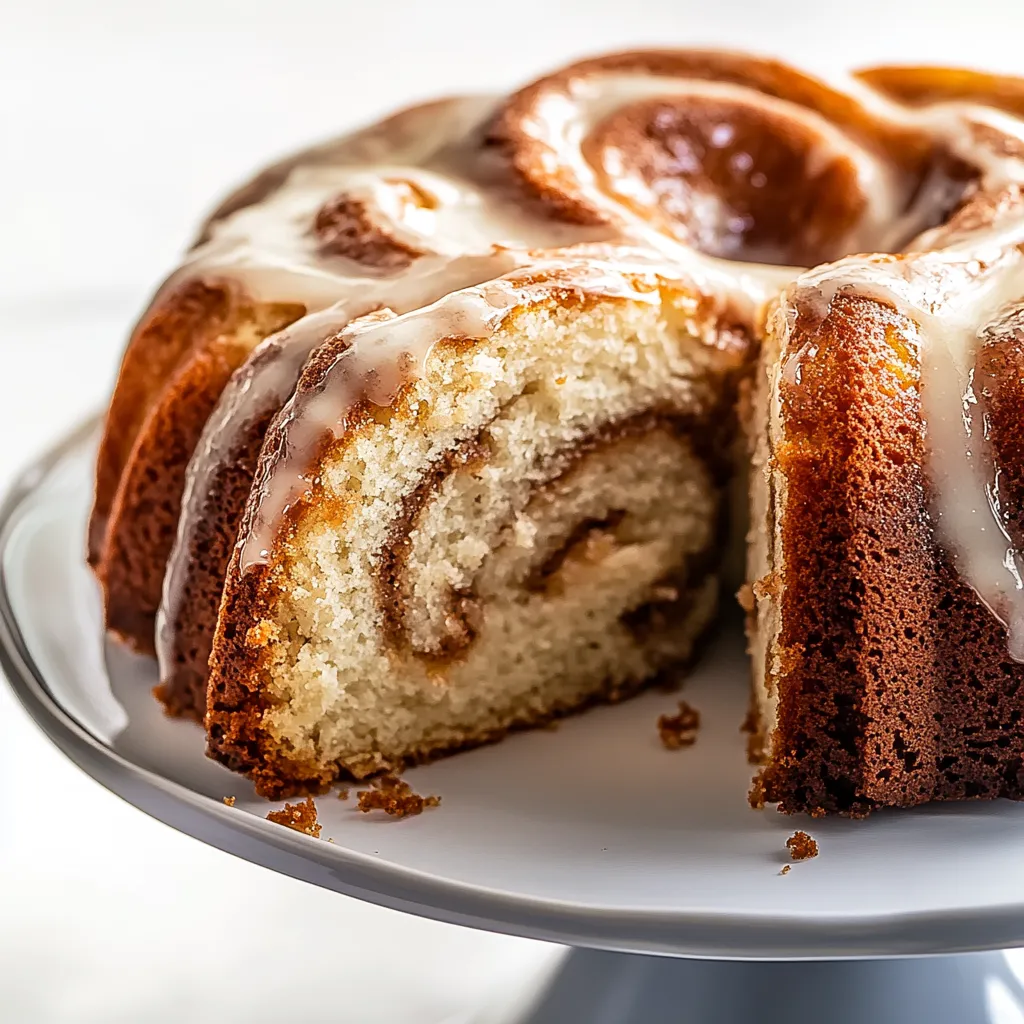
x: 592, y: 835
x: 595, y: 987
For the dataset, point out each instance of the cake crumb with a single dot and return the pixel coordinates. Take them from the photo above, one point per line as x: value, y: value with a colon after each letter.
x: 301, y: 817
x: 343, y: 794
x: 262, y: 634
x: 229, y: 801
x: 745, y: 597
x: 801, y: 846
x: 395, y: 797
x: 756, y: 795
x: 786, y: 868
x: 768, y: 586
x: 756, y: 746
x: 679, y: 730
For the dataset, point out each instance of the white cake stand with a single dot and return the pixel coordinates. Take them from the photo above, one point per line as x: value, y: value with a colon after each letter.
x: 649, y: 862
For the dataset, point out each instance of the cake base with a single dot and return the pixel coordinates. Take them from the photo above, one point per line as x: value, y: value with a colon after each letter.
x: 596, y: 987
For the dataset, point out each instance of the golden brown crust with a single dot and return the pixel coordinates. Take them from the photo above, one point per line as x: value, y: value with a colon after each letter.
x: 183, y: 691
x: 918, y: 86
x: 895, y: 686
x: 174, y: 324
x: 141, y: 518
x: 792, y: 209
x: 144, y: 515
x: 999, y: 387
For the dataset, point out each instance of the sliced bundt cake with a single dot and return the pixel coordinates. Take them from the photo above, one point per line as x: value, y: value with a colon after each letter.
x: 430, y: 437
x: 477, y: 516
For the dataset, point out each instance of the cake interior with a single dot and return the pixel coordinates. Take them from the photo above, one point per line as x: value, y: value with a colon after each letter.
x: 534, y: 525
x: 764, y: 544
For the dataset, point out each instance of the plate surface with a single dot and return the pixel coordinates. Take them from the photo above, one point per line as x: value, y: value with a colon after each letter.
x: 592, y: 834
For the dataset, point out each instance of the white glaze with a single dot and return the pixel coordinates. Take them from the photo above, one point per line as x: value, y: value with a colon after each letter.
x: 383, y: 354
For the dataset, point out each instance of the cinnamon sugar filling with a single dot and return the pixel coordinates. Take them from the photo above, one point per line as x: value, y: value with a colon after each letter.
x: 345, y: 226
x: 585, y: 542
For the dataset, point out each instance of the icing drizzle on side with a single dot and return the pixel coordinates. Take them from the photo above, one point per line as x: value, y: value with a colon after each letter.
x: 953, y: 295
x: 382, y: 353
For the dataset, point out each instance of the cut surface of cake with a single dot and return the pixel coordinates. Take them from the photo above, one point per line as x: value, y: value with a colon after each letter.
x: 433, y: 435
x: 526, y: 524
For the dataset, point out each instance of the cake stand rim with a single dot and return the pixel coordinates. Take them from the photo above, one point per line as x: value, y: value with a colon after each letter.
x: 707, y: 935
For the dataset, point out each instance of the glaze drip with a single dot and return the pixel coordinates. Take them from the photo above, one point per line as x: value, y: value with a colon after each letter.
x: 379, y: 355
x: 954, y: 297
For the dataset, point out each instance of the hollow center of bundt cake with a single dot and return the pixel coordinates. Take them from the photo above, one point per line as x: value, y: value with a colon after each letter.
x: 745, y: 181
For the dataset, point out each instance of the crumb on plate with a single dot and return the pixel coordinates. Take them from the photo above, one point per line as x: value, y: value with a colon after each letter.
x: 801, y: 846
x: 394, y: 796
x: 301, y: 817
x: 679, y: 730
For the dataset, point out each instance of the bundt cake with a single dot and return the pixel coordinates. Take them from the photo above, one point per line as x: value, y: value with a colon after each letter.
x: 433, y: 434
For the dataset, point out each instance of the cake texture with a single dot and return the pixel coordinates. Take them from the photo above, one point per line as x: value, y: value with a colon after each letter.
x: 529, y: 527
x: 435, y: 432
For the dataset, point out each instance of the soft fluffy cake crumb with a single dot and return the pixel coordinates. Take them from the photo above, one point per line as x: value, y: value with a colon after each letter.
x: 395, y: 797
x: 679, y: 730
x: 301, y: 817
x: 592, y: 490
x: 801, y: 846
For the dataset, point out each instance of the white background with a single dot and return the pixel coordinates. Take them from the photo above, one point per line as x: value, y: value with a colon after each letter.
x: 120, y: 121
